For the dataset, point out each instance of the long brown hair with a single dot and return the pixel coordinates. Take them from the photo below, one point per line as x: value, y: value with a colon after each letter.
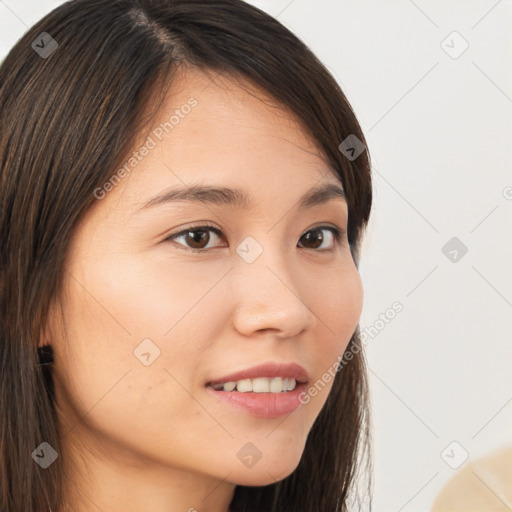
x: 72, y: 102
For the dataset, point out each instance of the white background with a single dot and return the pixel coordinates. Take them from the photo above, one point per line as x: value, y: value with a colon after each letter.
x: 439, y: 131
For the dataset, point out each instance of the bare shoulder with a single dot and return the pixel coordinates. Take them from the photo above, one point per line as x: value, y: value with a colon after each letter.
x: 484, y: 484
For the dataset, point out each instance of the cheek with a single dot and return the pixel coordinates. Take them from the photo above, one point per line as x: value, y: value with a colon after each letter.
x: 121, y: 314
x: 94, y: 357
x: 351, y: 302
x: 340, y: 306
x: 106, y: 385
x: 339, y: 310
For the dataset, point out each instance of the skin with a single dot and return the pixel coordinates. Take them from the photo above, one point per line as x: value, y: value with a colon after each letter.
x: 136, y: 434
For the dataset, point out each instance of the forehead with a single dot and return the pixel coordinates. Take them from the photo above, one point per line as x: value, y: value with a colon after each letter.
x: 213, y: 129
x: 205, y: 111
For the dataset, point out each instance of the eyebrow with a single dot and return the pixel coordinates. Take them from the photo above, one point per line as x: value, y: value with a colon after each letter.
x: 238, y: 198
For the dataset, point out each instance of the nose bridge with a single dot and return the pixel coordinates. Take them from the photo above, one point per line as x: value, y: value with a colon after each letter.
x: 263, y: 261
x: 267, y: 293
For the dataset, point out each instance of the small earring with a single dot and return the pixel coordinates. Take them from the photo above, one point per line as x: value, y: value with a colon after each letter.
x: 45, y: 354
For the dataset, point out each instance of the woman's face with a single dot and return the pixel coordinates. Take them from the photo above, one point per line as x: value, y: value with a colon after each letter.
x: 150, y: 321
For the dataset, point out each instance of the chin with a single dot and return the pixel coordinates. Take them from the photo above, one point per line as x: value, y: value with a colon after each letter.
x: 263, y: 473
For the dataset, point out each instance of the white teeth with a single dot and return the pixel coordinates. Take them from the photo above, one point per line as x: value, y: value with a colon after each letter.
x: 261, y: 385
x: 244, y: 386
x: 258, y: 385
x: 276, y: 385
x: 291, y: 384
x: 229, y: 386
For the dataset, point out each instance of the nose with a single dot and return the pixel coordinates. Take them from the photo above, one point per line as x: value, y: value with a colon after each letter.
x: 269, y: 297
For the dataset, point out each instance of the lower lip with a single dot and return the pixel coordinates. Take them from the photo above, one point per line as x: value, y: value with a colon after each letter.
x: 262, y: 405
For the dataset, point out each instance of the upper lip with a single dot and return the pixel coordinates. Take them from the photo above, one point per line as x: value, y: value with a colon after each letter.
x: 269, y: 370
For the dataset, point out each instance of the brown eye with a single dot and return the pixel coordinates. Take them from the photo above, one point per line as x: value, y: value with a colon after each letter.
x: 315, y: 238
x: 196, y: 238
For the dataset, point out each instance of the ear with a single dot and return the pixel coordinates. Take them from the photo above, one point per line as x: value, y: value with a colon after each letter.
x: 45, y: 338
x: 47, y: 333
x: 42, y: 344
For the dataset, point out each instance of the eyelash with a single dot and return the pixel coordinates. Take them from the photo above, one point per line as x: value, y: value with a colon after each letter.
x: 336, y: 232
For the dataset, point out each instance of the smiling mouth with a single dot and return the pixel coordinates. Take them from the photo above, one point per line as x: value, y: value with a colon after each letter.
x: 258, y: 385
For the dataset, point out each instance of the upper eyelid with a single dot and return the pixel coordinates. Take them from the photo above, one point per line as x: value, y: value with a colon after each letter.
x: 219, y: 231
x: 197, y: 227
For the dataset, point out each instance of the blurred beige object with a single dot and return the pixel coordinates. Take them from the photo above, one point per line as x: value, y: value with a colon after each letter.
x: 482, y: 485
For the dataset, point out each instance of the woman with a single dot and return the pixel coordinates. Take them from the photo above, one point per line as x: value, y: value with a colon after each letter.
x: 184, y: 188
